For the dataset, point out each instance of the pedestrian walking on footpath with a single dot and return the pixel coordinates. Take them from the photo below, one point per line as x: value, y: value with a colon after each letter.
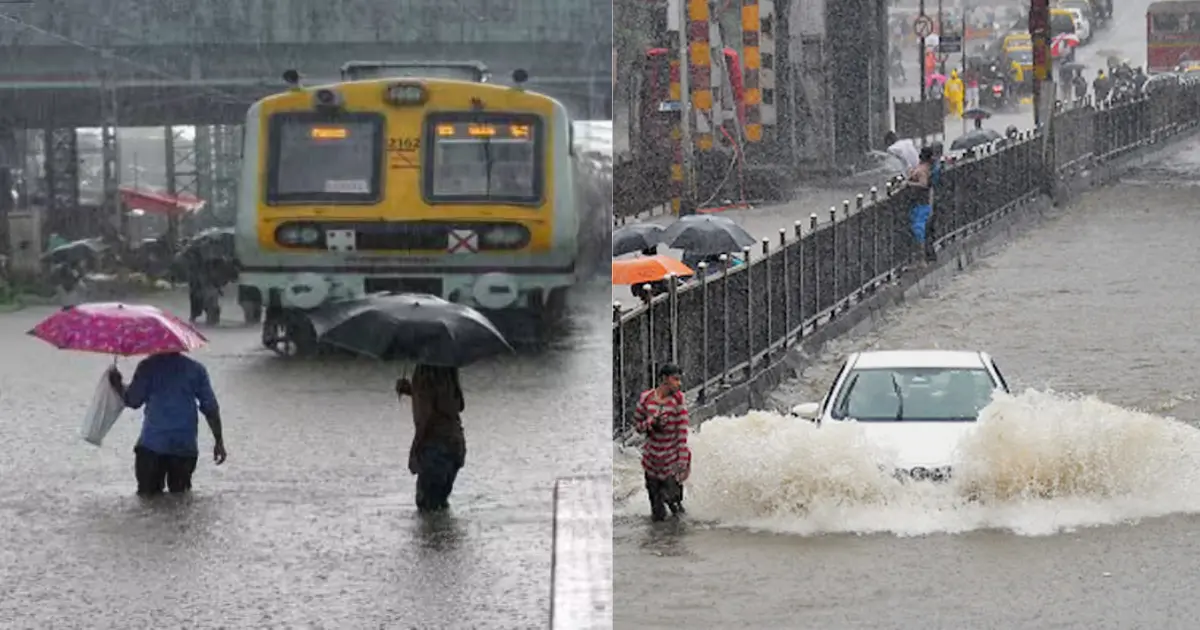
x: 439, y: 448
x: 662, y: 416
x: 171, y: 386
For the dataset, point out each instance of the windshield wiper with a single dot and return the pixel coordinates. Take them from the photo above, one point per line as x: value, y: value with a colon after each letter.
x: 899, y: 398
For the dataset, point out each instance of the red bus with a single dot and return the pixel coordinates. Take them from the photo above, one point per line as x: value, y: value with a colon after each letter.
x: 1172, y: 34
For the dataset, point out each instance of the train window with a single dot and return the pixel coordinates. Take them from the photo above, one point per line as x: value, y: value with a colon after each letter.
x: 484, y: 158
x: 1165, y: 23
x: 325, y: 158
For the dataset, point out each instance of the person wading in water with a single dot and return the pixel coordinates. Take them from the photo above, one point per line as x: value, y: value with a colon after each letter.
x: 172, y: 387
x: 666, y: 459
x: 439, y: 448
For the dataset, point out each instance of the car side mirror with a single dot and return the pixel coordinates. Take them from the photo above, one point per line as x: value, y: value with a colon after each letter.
x: 808, y: 411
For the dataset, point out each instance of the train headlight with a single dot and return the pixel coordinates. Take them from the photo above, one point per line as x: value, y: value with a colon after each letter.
x: 298, y: 235
x: 288, y: 235
x: 504, y: 237
x: 406, y: 94
x: 309, y: 235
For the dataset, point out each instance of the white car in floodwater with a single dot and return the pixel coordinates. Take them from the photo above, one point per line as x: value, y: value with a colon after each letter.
x: 916, y: 404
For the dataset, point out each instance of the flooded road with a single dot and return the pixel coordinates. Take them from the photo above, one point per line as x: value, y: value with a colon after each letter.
x: 311, y: 523
x: 1087, y: 511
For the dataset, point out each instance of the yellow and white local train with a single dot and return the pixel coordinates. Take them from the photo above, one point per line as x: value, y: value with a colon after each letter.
x: 459, y: 188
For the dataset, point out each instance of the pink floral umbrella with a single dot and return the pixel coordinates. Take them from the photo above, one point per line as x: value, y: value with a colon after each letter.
x: 934, y: 78
x: 118, y: 329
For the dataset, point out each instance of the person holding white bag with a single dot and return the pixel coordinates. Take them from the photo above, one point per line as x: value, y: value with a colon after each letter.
x: 171, y: 386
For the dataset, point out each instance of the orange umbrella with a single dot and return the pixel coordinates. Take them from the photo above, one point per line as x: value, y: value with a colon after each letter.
x: 647, y: 269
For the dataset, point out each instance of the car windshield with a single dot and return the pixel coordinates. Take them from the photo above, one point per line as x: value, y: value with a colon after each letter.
x: 914, y: 394
x: 1021, y: 55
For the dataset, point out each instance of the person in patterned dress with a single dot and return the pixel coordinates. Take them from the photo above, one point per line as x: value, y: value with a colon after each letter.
x: 662, y: 416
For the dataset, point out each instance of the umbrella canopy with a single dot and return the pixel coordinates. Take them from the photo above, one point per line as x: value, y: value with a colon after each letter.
x: 974, y: 138
x: 159, y: 203
x: 647, y: 269
x: 1063, y: 44
x: 212, y: 243
x: 76, y: 251
x: 1072, y: 66
x: 409, y: 326
x: 977, y: 113
x: 705, y: 235
x: 934, y: 78
x: 635, y: 238
x: 120, y: 329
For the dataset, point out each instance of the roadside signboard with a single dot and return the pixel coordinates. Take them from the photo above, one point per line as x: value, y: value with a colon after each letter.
x: 922, y: 26
x: 950, y: 43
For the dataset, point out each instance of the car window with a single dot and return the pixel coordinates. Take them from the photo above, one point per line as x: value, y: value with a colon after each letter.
x: 914, y: 394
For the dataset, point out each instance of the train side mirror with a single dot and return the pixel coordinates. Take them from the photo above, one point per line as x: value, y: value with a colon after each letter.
x: 292, y: 78
x: 520, y: 76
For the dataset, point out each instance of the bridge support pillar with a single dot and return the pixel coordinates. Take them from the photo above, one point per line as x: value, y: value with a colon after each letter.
x: 227, y: 170
x: 10, y: 162
x: 182, y: 178
x: 110, y: 157
x: 62, y: 182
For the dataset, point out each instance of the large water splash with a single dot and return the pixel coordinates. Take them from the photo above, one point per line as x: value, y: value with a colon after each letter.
x: 1036, y: 463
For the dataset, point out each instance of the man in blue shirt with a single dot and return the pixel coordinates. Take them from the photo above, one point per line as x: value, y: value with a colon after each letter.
x: 171, y: 386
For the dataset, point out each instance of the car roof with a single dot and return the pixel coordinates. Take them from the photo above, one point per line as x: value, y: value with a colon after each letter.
x: 918, y: 359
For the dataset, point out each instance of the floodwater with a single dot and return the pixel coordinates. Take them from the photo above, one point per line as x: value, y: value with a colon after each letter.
x: 310, y: 523
x: 1083, y: 493
x: 1084, y: 486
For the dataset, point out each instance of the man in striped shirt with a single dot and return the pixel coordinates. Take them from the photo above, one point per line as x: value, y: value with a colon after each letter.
x: 662, y: 416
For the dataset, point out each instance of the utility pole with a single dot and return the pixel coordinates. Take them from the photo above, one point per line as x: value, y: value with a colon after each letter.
x: 921, y: 52
x: 687, y: 201
x: 1039, y: 33
x: 964, y: 62
x: 941, y: 31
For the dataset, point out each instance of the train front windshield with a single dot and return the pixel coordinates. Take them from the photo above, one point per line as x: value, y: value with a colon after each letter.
x: 315, y: 159
x: 492, y: 159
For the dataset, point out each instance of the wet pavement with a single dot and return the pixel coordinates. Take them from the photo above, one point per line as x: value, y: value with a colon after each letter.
x: 787, y: 528
x: 310, y: 523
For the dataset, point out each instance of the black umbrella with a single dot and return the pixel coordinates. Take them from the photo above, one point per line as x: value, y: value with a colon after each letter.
x: 974, y: 138
x: 706, y: 235
x: 409, y: 327
x: 76, y: 251
x: 635, y: 238
x: 977, y: 113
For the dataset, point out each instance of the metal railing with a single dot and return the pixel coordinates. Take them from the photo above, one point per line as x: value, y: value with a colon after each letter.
x: 724, y: 329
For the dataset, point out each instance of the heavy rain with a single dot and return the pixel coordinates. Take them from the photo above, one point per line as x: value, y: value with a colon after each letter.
x: 379, y: 228
x: 1071, y: 500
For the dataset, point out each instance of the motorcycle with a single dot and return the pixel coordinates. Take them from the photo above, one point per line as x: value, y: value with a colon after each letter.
x: 995, y: 96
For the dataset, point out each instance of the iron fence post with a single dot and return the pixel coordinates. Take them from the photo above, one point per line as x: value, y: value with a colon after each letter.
x: 725, y: 317
x: 651, y: 368
x: 816, y: 256
x: 837, y: 272
x: 703, y: 269
x: 766, y: 252
x: 619, y: 368
x: 787, y: 289
x: 746, y: 253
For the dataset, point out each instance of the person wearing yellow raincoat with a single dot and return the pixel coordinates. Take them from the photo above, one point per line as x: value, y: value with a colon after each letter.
x: 954, y: 94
